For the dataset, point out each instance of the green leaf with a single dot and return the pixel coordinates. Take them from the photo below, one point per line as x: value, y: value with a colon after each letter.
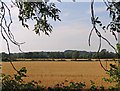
x: 103, y: 27
x: 18, y: 78
x: 98, y: 21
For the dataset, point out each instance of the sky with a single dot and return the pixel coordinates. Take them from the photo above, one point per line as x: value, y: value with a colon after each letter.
x: 69, y: 34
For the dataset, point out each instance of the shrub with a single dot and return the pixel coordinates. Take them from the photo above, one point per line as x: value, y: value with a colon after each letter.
x: 16, y: 83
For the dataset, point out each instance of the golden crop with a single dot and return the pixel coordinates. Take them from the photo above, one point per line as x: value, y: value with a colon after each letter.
x: 51, y: 73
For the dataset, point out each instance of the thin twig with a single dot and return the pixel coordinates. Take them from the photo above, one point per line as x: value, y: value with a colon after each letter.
x: 94, y: 28
x: 5, y: 30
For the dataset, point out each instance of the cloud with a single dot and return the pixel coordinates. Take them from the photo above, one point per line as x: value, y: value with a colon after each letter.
x: 62, y: 38
x: 70, y: 33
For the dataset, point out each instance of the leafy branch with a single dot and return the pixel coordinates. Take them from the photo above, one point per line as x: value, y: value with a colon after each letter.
x: 112, y: 26
x: 38, y: 12
x: 5, y: 28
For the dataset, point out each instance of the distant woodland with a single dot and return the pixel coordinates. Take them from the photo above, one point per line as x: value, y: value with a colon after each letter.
x: 67, y: 54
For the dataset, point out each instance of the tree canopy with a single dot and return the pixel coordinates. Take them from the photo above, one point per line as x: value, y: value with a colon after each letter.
x: 67, y: 54
x: 41, y: 11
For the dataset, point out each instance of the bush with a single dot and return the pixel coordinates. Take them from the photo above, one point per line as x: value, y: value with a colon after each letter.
x: 16, y: 83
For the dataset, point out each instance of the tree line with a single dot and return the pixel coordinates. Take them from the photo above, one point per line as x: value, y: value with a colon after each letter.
x: 67, y: 54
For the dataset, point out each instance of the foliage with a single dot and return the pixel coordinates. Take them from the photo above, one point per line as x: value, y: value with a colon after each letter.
x: 93, y: 86
x: 113, y: 7
x: 114, y: 10
x: 67, y: 54
x: 16, y: 83
x: 39, y: 12
x: 114, y: 73
x: 68, y: 86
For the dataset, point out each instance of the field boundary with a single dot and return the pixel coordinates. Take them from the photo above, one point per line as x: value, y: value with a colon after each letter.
x: 63, y: 59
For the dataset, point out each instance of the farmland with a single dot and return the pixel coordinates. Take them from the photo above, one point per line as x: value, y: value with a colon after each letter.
x: 51, y: 73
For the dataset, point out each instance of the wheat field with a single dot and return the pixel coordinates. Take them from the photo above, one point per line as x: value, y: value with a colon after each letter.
x: 51, y: 73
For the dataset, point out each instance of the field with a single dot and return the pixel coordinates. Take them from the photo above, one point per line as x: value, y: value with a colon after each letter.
x: 51, y: 73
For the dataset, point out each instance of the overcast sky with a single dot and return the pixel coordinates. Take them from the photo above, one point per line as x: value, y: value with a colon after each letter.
x: 69, y: 34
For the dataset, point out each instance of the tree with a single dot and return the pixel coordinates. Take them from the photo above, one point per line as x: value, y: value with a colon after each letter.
x: 103, y: 53
x: 75, y: 55
x: 41, y: 11
x: 113, y: 7
x: 68, y: 54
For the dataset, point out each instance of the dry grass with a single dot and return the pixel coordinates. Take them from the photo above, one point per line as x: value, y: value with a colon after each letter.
x: 51, y: 73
